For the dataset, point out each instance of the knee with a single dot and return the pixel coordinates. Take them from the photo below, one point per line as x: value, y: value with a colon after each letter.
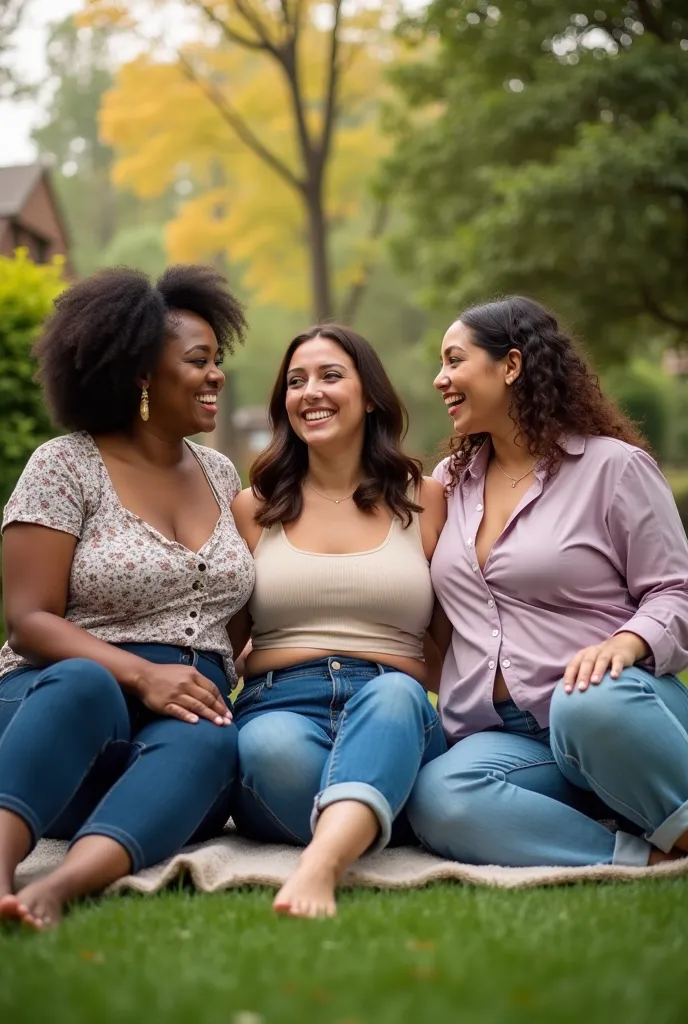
x: 87, y: 684
x: 212, y: 750
x: 441, y: 802
x: 591, y: 716
x: 271, y: 751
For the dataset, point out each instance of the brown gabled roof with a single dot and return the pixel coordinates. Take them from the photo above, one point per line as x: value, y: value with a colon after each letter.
x: 16, y: 185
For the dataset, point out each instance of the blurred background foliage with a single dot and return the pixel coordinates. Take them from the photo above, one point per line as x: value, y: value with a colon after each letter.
x: 387, y: 166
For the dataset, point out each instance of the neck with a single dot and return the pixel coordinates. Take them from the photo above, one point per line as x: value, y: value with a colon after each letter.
x: 335, y: 472
x: 510, y: 452
x: 153, y: 444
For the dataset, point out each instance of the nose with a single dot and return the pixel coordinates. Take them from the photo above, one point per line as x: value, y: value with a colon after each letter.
x: 312, y: 391
x: 441, y: 381
x: 215, y: 376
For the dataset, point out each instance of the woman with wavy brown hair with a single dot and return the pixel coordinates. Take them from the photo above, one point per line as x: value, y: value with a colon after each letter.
x: 334, y: 721
x: 563, y: 573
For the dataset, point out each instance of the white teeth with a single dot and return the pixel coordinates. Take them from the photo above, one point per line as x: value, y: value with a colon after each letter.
x: 320, y: 415
x: 454, y: 399
x: 207, y: 399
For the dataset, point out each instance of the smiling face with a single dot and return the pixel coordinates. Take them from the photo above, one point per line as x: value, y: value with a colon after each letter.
x: 475, y: 387
x: 324, y: 396
x: 185, y: 385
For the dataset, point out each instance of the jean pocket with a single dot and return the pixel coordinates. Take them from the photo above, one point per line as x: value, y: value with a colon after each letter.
x: 249, y: 695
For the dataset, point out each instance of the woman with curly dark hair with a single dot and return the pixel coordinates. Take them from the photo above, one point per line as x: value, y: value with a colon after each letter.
x: 333, y: 720
x: 563, y: 571
x: 122, y: 568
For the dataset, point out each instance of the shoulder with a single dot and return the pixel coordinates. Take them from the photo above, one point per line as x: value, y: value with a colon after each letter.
x: 218, y: 466
x: 441, y: 472
x: 431, y: 495
x: 609, y: 455
x: 244, y: 508
x: 69, y: 449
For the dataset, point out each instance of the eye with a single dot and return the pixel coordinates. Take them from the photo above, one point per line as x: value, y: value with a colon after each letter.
x: 454, y: 360
x: 332, y: 375
x: 294, y: 382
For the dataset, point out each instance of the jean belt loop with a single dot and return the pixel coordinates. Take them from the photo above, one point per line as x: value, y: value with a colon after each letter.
x: 194, y: 658
x: 380, y: 669
x: 268, y: 679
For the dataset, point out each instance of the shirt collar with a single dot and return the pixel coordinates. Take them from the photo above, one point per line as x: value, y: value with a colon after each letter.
x: 572, y: 444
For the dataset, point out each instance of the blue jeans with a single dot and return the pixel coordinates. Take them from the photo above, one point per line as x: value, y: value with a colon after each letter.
x: 329, y: 730
x: 525, y: 796
x: 78, y: 757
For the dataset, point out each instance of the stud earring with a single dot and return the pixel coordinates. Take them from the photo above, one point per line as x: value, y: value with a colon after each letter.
x: 144, y: 405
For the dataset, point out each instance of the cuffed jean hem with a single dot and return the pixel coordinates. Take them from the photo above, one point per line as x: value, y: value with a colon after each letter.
x: 668, y: 832
x: 23, y: 811
x: 136, y: 854
x: 631, y: 851
x: 362, y: 793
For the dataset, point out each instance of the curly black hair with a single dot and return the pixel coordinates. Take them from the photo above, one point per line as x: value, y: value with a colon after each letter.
x: 108, y: 331
x: 556, y: 393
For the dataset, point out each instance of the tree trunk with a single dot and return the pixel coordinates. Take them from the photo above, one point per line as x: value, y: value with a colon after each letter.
x: 318, y: 255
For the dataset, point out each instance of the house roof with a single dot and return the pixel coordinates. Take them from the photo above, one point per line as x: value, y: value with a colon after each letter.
x: 16, y: 185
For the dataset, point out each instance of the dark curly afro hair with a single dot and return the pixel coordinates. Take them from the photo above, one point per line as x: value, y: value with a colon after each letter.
x: 108, y: 331
x: 556, y: 393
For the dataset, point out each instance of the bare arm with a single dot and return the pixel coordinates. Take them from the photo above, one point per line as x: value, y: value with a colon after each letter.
x: 37, y: 563
x: 244, y: 508
x: 434, y: 514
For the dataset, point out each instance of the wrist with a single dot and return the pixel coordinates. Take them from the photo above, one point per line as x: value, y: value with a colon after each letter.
x: 638, y: 647
x: 134, y: 677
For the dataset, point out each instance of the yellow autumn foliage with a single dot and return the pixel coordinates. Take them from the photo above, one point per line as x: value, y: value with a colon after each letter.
x: 172, y: 117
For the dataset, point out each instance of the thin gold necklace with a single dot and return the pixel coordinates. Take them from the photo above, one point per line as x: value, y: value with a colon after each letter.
x: 509, y: 477
x: 336, y: 501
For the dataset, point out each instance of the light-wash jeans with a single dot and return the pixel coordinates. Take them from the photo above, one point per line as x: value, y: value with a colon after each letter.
x: 329, y: 730
x: 525, y: 796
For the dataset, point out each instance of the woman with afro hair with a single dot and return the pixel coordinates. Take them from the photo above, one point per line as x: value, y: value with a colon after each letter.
x: 563, y: 571
x: 122, y: 568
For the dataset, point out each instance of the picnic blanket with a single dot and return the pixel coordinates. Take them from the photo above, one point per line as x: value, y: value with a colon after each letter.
x: 231, y: 861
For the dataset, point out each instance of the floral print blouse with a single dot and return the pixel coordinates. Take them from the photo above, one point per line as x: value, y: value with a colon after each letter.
x: 129, y: 583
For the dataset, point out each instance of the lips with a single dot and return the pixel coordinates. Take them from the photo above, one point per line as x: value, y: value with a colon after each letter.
x: 454, y: 401
x: 312, y: 416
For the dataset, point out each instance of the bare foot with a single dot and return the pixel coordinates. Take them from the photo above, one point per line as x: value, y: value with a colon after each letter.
x: 659, y: 857
x: 309, y: 892
x: 38, y: 906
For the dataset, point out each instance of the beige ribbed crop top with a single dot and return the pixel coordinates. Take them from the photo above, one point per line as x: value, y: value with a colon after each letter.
x: 377, y: 601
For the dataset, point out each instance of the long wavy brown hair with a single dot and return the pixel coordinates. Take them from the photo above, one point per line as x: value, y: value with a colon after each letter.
x: 278, y: 473
x: 556, y: 393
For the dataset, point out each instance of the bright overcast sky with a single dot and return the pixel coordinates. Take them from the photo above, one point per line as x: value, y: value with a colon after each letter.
x: 17, y: 119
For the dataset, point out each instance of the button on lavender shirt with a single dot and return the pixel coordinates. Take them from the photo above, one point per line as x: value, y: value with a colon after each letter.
x: 595, y: 549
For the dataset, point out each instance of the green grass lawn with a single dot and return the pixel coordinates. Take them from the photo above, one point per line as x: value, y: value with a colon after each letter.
x: 445, y: 954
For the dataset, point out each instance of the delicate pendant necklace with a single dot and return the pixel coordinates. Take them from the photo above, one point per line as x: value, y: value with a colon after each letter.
x: 511, y: 478
x: 336, y: 501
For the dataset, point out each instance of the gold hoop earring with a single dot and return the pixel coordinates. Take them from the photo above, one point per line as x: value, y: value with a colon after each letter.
x: 143, y: 409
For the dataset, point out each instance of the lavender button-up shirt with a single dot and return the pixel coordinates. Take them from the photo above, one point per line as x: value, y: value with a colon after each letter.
x: 595, y: 549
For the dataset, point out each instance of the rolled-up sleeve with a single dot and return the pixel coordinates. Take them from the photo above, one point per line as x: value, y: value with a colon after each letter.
x: 651, y: 544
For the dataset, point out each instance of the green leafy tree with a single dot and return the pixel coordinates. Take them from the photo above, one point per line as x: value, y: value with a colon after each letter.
x: 27, y: 292
x: 542, y: 147
x: 11, y: 14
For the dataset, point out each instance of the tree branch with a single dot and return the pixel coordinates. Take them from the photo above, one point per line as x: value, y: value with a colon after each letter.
x: 655, y: 310
x: 239, y: 126
x: 227, y: 32
x: 289, y: 59
x: 331, y: 91
x: 256, y: 24
x: 352, y: 302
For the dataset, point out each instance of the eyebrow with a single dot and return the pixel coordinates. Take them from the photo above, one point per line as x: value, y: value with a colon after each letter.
x: 454, y: 348
x: 325, y: 366
x: 197, y: 348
